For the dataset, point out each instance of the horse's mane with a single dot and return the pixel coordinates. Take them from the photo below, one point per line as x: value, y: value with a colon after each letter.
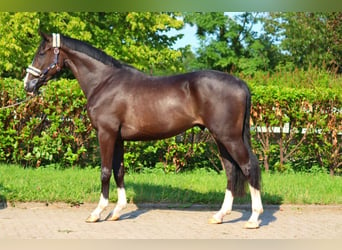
x: 95, y: 53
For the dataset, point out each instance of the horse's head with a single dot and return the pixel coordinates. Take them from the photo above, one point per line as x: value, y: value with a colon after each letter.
x: 46, y: 63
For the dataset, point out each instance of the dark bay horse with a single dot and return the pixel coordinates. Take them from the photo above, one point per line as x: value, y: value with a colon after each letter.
x: 125, y: 104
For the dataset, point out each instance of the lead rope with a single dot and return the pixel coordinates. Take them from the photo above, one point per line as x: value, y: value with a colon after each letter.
x: 17, y: 104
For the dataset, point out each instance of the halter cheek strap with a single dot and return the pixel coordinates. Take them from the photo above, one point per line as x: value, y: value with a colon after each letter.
x: 56, y: 44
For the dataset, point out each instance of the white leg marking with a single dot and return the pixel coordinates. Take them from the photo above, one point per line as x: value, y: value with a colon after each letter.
x: 257, y: 208
x: 122, y: 201
x: 226, y: 208
x: 121, y: 204
x: 103, y: 203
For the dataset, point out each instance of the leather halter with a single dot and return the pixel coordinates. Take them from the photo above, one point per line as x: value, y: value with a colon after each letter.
x: 56, y: 44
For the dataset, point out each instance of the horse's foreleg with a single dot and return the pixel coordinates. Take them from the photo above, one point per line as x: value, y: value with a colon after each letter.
x: 119, y: 172
x: 257, y: 208
x: 103, y: 203
x: 121, y: 204
x: 106, y: 141
x: 96, y: 214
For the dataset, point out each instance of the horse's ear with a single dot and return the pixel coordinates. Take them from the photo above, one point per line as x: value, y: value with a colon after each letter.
x: 46, y: 37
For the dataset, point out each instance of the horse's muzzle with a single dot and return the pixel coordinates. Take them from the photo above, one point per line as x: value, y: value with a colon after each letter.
x: 32, y: 86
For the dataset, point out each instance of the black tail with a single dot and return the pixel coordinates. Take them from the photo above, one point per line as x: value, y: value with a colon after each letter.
x: 255, y: 175
x: 238, y: 181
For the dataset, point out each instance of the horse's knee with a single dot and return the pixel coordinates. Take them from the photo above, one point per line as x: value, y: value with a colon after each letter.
x: 105, y: 174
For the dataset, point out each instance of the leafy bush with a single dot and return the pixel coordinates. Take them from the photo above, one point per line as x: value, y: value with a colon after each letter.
x: 293, y: 128
x: 50, y: 128
x: 189, y: 150
x: 306, y: 109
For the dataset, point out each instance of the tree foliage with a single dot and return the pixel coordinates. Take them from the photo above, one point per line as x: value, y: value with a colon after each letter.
x: 282, y: 41
x: 136, y: 38
x: 230, y: 44
x: 307, y: 39
x: 227, y: 43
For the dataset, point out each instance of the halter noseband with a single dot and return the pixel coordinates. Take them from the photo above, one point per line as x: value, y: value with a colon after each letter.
x: 56, y: 44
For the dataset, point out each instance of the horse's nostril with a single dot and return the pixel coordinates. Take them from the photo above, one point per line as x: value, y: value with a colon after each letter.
x: 34, y: 81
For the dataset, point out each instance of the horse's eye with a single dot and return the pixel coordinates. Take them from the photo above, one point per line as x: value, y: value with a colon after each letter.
x: 43, y: 51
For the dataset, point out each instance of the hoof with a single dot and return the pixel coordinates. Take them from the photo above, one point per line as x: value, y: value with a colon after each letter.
x: 214, y: 221
x: 112, y: 217
x: 92, y: 219
x: 251, y: 225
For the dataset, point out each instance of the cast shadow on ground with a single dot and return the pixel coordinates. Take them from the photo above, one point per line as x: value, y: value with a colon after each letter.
x: 241, y: 205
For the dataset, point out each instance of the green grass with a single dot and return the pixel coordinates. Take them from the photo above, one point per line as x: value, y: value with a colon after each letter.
x: 198, y: 187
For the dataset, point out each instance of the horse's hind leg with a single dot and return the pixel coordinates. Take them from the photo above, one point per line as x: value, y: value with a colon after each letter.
x: 257, y: 208
x: 119, y: 172
x: 254, y: 188
x: 249, y: 166
x: 227, y: 204
x: 248, y: 169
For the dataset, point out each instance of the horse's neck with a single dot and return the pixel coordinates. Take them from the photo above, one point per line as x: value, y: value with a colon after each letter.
x: 88, y: 71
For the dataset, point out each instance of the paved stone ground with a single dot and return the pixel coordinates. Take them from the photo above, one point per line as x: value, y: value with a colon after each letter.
x: 61, y: 221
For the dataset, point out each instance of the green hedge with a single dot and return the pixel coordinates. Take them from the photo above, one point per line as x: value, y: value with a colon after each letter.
x: 53, y: 129
x: 297, y: 129
x: 47, y: 129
